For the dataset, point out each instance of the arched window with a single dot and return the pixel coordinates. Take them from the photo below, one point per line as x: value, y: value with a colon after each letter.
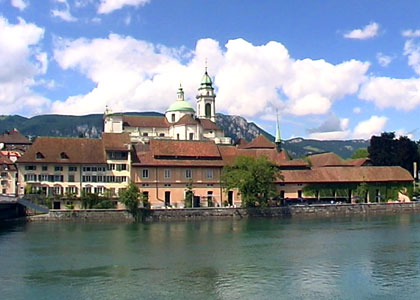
x: 208, y: 110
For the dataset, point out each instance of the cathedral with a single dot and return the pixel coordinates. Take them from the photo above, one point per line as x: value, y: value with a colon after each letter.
x: 180, y: 122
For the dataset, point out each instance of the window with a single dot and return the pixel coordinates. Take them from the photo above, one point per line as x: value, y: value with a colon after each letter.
x: 173, y: 117
x: 71, y: 178
x: 145, y: 185
x: 161, y: 134
x: 86, y: 179
x: 58, y: 168
x: 30, y: 168
x: 87, y: 189
x: 44, y: 168
x: 188, y: 173
x: 43, y: 177
x: 59, y: 178
x: 111, y: 167
x: 63, y: 155
x: 177, y: 136
x: 71, y: 190
x: 208, y: 110
x: 209, y: 174
x: 29, y: 177
x: 99, y: 190
x: 57, y: 190
x: 145, y: 134
x: 191, y: 136
x: 72, y: 169
x: 167, y: 184
x: 121, y: 167
x: 167, y: 173
x: 39, y: 155
x: 145, y: 173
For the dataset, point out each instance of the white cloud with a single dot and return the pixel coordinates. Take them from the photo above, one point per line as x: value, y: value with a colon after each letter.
x: 19, y: 4
x: 333, y: 128
x: 20, y: 63
x: 412, y: 51
x: 403, y: 132
x: 383, y: 60
x: 411, y: 33
x: 402, y: 94
x: 373, y: 126
x: 108, y: 6
x: 63, y: 12
x: 251, y: 80
x: 369, y: 31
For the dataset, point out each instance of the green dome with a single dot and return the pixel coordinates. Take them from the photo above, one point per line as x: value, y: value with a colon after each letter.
x: 206, y: 81
x: 181, y: 106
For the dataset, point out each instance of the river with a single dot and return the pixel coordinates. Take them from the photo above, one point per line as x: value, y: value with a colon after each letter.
x: 340, y: 258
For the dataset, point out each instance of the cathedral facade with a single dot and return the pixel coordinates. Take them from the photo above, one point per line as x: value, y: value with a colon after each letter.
x: 180, y: 121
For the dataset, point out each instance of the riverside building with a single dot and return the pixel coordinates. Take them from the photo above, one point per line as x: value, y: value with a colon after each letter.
x: 184, y: 152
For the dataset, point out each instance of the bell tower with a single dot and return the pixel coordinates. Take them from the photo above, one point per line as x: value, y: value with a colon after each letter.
x: 206, y: 108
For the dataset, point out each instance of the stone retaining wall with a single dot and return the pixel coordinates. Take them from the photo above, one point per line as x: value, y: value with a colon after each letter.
x: 320, y: 210
x: 101, y: 215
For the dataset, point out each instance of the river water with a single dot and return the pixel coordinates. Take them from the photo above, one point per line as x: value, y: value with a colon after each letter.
x: 342, y: 258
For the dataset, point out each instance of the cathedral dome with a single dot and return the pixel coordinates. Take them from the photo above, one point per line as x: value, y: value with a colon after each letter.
x: 180, y: 104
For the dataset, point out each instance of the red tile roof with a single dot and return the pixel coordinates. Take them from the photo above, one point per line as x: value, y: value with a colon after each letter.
x: 176, y: 148
x: 209, y: 125
x: 116, y: 141
x: 359, y: 162
x: 187, y: 120
x: 177, y: 153
x: 78, y: 150
x: 347, y: 175
x: 146, y: 121
x: 325, y: 160
x: 6, y: 164
x: 14, y: 137
x: 260, y: 142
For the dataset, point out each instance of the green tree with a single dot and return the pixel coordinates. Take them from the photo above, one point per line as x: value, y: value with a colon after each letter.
x: 254, y: 178
x: 188, y: 195
x: 360, y: 153
x: 129, y: 197
x: 362, y: 191
x: 386, y: 150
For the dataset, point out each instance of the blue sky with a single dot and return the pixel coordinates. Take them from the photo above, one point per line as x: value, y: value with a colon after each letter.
x: 332, y: 69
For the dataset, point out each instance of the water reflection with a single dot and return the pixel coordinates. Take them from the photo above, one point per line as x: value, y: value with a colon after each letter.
x: 345, y: 258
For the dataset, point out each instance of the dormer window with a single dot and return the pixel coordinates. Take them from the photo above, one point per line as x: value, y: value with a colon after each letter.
x: 39, y: 155
x: 63, y: 155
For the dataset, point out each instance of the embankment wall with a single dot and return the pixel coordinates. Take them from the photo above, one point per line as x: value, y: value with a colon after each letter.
x: 321, y: 210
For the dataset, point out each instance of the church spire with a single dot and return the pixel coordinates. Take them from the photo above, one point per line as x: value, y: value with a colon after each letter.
x: 180, y: 93
x: 278, y: 136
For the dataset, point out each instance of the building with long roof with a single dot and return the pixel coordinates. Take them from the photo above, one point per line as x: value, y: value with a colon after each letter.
x: 183, y: 153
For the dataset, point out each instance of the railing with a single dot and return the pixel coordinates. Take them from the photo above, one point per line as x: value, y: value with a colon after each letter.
x: 33, y: 206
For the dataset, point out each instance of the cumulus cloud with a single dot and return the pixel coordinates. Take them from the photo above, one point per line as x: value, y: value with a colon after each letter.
x: 19, y: 4
x: 108, y: 6
x: 385, y: 92
x: 373, y: 126
x: 367, y: 32
x: 136, y: 75
x: 412, y: 51
x: 20, y: 63
x: 63, y: 12
x: 383, y: 60
x: 333, y: 128
x: 409, y: 33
